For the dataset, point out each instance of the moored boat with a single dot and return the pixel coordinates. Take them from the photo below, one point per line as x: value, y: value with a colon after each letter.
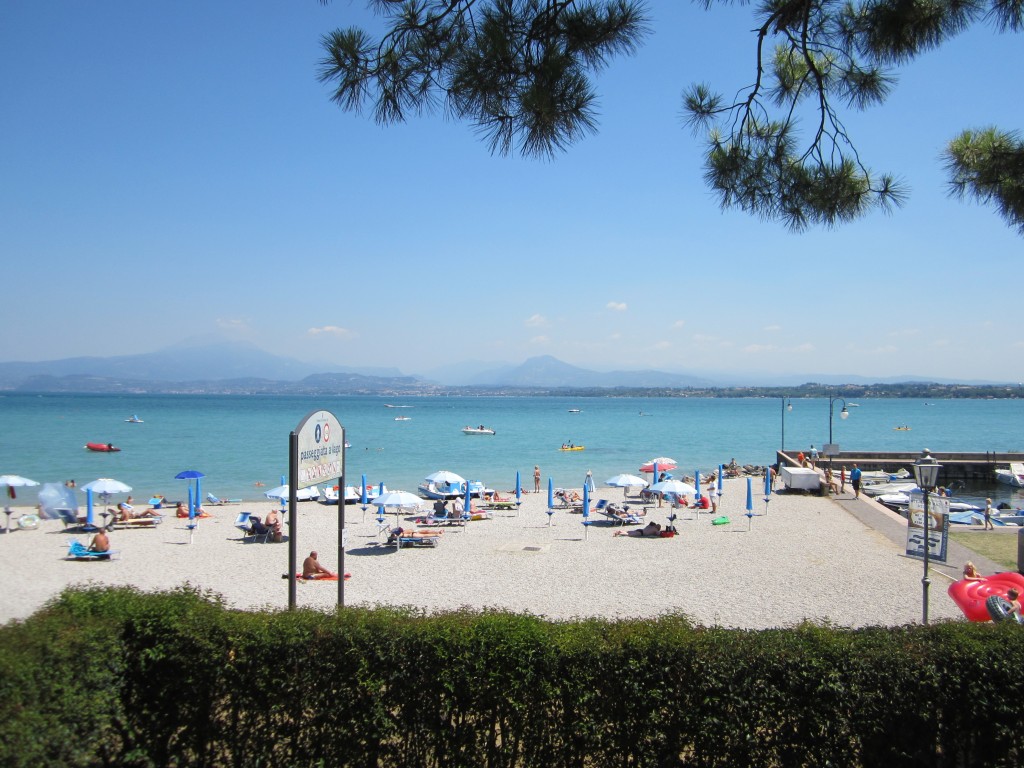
x: 481, y: 430
x: 134, y: 420
x: 1013, y: 476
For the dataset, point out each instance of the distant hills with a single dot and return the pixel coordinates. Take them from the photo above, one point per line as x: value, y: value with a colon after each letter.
x: 237, y: 368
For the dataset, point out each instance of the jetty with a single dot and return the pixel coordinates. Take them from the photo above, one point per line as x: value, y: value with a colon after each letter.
x: 956, y: 465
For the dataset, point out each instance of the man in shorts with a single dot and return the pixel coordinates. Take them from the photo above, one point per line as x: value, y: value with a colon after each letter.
x: 855, y: 481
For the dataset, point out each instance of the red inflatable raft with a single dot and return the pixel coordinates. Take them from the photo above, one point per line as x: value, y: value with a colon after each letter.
x: 970, y: 596
x: 102, y: 447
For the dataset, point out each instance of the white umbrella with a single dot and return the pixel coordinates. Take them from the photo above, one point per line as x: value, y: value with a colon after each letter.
x: 13, y: 481
x: 281, y: 493
x: 625, y: 481
x: 397, y: 499
x: 105, y: 486
x: 677, y: 487
x: 444, y: 476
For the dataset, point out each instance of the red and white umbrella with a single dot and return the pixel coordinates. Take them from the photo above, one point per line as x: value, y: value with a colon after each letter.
x: 663, y: 462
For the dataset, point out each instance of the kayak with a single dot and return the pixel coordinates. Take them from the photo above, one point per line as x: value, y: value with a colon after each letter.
x: 102, y: 447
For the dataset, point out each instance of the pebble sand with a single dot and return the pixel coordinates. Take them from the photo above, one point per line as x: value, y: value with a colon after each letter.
x: 806, y: 559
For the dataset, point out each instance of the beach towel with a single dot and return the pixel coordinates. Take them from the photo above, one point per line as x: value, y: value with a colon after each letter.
x: 722, y: 520
x: 332, y: 577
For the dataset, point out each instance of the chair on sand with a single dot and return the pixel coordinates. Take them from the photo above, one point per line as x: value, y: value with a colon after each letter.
x: 252, y: 526
x: 620, y: 514
x: 78, y: 551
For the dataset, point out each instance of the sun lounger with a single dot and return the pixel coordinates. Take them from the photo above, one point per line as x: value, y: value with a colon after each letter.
x: 400, y: 539
x: 214, y: 501
x: 137, y: 522
x: 621, y: 514
x: 433, y: 519
x: 78, y: 551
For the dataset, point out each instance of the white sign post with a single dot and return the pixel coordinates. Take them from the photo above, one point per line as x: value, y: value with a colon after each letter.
x: 316, y: 454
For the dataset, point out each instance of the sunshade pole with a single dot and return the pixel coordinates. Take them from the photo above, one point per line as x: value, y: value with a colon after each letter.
x: 341, y: 527
x: 293, y: 519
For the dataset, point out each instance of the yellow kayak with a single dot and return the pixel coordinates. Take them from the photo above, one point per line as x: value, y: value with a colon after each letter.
x: 572, y: 448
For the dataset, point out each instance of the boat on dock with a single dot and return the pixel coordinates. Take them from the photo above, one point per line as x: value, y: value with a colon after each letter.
x: 1013, y: 476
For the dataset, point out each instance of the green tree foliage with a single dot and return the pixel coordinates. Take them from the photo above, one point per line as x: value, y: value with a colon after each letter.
x: 522, y: 72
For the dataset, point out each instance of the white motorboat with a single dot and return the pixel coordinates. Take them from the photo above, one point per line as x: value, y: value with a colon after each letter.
x: 1013, y: 476
x: 448, y: 490
x: 481, y: 430
x: 886, y: 488
x: 403, y: 418
x: 330, y: 495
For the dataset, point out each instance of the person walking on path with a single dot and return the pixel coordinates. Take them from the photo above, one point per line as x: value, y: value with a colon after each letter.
x: 855, y: 474
x: 988, y: 516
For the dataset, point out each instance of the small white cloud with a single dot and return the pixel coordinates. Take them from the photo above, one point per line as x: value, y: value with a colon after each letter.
x: 678, y: 323
x: 806, y: 347
x: 232, y: 324
x: 663, y: 345
x: 332, y: 330
x: 772, y: 328
x: 540, y: 340
x: 535, y: 321
x: 615, y: 336
x: 617, y: 306
x: 704, y: 338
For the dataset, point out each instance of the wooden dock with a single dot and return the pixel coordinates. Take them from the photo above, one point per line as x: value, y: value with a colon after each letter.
x: 976, y: 467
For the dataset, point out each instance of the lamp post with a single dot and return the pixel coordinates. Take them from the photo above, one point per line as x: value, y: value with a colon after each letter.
x: 842, y: 414
x: 787, y: 405
x: 926, y: 472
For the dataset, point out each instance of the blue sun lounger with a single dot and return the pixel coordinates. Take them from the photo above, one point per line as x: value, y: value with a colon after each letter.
x: 78, y: 551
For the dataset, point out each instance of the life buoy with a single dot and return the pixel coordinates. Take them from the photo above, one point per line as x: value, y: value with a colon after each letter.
x: 28, y: 521
x: 998, y: 608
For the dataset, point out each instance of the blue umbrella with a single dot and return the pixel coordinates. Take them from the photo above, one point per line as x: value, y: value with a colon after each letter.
x: 654, y: 474
x: 586, y: 510
x: 362, y: 493
x: 190, y: 475
x: 88, y: 506
x: 696, y: 483
x: 750, y: 501
x: 551, y: 500
x: 767, y: 489
x: 519, y: 489
x: 469, y: 499
x: 720, y: 475
x: 191, y: 505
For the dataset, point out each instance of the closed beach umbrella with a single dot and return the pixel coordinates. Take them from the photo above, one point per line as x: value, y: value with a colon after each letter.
x: 88, y: 507
x: 551, y: 500
x: 696, y: 481
x: 654, y: 472
x: 586, y: 511
x: 468, y: 503
x: 519, y: 489
x: 362, y: 493
x: 750, y: 501
x: 720, y: 475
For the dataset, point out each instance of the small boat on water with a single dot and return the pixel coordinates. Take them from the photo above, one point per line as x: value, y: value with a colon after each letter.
x: 134, y: 420
x: 571, y: 447
x: 403, y: 418
x: 574, y: 410
x: 902, y: 428
x: 1013, y: 476
x: 102, y: 447
x: 481, y: 430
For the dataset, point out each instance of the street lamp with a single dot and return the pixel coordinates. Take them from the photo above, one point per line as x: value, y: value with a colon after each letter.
x: 842, y: 414
x: 787, y: 405
x: 926, y: 472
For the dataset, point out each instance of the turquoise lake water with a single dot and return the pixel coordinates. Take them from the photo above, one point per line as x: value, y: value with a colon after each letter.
x: 238, y: 441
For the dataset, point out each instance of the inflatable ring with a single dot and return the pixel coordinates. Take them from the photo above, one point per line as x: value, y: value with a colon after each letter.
x: 998, y: 608
x: 28, y: 521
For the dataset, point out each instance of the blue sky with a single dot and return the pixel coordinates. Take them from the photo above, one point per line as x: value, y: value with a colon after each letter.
x: 175, y: 171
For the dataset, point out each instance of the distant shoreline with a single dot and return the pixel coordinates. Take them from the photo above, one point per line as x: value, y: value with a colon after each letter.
x: 91, y: 385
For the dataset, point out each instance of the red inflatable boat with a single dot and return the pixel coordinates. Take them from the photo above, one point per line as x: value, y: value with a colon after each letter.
x: 102, y: 447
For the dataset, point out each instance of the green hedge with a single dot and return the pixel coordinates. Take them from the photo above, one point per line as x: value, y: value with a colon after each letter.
x: 118, y: 677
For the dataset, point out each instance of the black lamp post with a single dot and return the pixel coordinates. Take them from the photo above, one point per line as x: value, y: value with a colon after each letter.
x: 787, y: 405
x: 842, y: 414
x: 926, y: 472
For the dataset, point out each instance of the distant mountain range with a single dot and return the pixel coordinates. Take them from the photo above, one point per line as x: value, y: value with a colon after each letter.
x: 229, y: 367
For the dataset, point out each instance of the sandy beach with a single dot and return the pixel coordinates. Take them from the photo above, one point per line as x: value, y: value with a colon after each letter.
x: 807, y: 558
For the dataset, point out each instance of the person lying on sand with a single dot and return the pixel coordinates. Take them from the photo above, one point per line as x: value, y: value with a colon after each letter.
x: 651, y: 529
